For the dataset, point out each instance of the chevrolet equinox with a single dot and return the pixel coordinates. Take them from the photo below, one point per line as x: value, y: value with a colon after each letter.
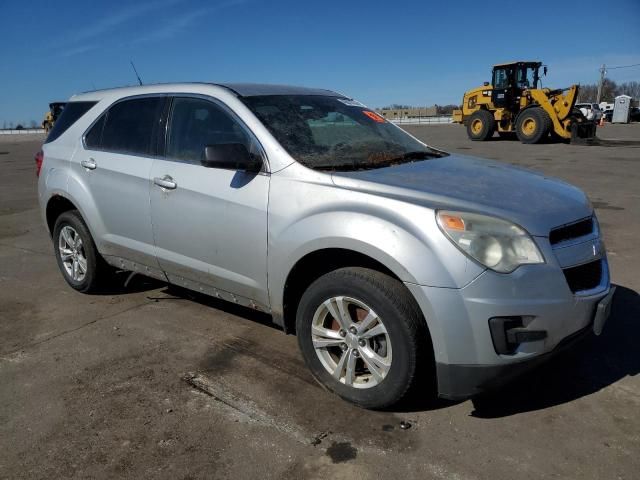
x: 394, y: 263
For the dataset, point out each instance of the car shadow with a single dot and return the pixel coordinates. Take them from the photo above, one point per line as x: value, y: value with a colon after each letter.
x: 122, y: 282
x: 589, y: 367
x: 251, y: 314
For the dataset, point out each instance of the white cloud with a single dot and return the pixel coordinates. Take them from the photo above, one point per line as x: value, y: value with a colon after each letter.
x: 107, y: 25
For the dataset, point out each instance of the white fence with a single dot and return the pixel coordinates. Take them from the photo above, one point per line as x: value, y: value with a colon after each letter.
x: 22, y: 131
x: 422, y: 120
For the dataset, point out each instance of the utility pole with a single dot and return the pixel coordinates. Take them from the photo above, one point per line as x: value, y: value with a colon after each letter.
x: 603, y: 72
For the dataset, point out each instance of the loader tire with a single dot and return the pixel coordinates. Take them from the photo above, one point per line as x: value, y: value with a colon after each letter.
x: 481, y: 125
x: 533, y: 125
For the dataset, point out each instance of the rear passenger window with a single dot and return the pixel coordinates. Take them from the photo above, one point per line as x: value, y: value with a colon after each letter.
x: 70, y: 115
x: 129, y: 125
x: 94, y: 137
x: 196, y: 123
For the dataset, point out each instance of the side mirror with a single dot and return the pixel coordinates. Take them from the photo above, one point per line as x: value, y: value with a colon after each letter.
x: 486, y: 84
x: 544, y: 71
x: 231, y: 156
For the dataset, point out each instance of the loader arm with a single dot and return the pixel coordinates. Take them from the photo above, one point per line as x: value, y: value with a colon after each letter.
x: 558, y: 105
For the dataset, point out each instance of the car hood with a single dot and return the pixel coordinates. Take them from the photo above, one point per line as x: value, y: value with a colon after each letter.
x: 536, y: 202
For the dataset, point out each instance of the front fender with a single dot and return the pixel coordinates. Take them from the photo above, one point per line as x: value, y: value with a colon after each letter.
x: 411, y: 255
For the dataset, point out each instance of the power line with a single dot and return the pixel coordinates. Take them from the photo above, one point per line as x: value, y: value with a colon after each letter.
x: 603, y: 71
x: 624, y: 66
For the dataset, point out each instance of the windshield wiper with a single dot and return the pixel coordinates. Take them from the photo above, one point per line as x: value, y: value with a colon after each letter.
x: 417, y: 155
x: 373, y: 164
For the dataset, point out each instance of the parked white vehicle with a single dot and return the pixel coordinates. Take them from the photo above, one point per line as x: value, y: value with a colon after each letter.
x: 591, y: 111
x: 605, y: 106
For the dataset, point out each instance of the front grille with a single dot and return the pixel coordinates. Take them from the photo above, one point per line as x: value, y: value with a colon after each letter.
x: 584, y: 277
x: 574, y: 230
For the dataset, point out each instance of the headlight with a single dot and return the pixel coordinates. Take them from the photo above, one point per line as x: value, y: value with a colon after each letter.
x: 497, y: 244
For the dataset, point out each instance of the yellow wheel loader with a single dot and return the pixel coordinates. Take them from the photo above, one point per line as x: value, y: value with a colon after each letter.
x: 55, y: 109
x: 514, y: 105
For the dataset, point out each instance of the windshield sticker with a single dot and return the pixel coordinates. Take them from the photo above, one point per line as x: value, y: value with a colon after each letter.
x: 350, y: 103
x: 373, y: 116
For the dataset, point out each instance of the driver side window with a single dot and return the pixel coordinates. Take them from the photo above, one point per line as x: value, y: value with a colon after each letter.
x: 196, y: 123
x: 501, y: 78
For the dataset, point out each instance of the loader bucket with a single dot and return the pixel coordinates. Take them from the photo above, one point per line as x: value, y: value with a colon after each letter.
x: 583, y: 132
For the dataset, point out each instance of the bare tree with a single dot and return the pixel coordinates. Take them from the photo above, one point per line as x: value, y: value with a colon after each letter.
x: 446, y: 109
x: 630, y: 88
x: 587, y: 93
x: 396, y: 106
x: 610, y: 90
x: 33, y: 124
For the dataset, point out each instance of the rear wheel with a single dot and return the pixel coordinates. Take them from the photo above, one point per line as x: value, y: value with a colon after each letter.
x: 78, y: 259
x: 362, y: 336
x: 481, y: 125
x: 533, y: 125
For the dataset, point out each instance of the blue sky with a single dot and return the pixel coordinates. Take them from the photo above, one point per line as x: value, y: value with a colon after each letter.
x: 416, y: 52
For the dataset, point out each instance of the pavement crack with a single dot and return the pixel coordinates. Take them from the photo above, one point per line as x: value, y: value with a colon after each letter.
x: 246, y: 407
x: 66, y: 332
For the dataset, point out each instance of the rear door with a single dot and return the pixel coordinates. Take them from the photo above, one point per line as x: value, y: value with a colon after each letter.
x: 209, y: 224
x: 116, y: 163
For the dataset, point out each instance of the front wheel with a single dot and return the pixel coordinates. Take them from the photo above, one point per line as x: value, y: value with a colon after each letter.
x: 533, y: 125
x: 362, y: 336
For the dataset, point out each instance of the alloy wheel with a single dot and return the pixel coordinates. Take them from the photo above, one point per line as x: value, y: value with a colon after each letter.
x: 351, y: 342
x: 72, y: 253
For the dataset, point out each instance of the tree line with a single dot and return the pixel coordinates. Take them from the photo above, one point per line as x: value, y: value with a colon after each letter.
x: 20, y: 125
x: 610, y: 90
x: 440, y: 109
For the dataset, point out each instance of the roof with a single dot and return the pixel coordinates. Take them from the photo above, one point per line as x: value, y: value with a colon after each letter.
x: 504, y: 64
x: 240, y: 89
x: 254, y: 89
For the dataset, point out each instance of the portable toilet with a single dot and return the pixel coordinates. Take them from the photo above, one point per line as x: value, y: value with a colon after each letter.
x: 621, y: 109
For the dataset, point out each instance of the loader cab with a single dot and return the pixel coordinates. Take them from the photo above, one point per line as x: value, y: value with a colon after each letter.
x: 509, y: 80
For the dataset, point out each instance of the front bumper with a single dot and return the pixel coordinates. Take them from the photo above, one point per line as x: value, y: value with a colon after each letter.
x: 467, y: 361
x: 459, y: 382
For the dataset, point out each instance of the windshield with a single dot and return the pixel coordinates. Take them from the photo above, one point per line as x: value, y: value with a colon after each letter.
x: 335, y: 133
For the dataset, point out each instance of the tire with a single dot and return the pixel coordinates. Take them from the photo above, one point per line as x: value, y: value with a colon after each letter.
x: 68, y: 228
x: 481, y: 125
x: 533, y: 125
x: 404, y: 346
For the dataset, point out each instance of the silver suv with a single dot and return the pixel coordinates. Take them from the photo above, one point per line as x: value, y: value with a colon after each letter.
x: 396, y: 264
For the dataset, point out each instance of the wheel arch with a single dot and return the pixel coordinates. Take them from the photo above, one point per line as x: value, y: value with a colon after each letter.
x: 315, y: 263
x: 56, y: 206
x: 62, y: 201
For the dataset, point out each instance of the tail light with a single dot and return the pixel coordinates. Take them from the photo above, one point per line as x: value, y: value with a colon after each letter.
x: 39, y: 158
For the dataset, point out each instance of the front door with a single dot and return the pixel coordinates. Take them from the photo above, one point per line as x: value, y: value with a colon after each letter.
x: 502, y: 93
x: 209, y: 224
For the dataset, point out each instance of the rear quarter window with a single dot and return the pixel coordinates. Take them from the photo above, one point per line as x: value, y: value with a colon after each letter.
x: 72, y: 112
x: 93, y: 138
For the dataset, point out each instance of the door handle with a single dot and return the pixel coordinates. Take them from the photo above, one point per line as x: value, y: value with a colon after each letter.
x: 89, y: 164
x: 165, y: 182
